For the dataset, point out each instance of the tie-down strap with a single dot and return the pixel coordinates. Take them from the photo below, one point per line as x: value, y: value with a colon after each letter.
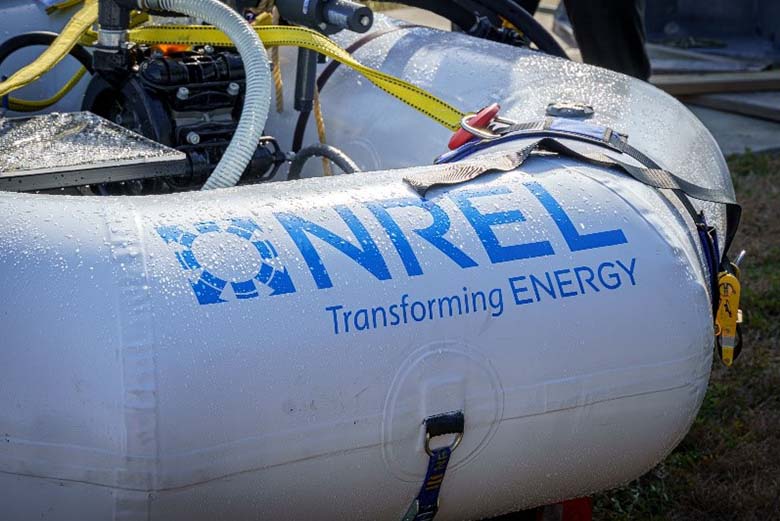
x: 425, y: 506
x: 547, y: 133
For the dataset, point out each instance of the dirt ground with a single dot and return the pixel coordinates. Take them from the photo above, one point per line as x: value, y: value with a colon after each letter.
x: 728, y: 467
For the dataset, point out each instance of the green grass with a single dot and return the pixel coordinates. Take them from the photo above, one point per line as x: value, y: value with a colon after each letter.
x: 728, y: 466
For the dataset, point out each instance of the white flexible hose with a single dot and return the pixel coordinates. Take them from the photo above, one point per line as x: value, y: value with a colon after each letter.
x: 257, y: 99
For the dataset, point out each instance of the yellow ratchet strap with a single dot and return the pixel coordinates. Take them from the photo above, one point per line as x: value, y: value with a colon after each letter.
x: 59, y: 49
x: 728, y: 316
x: 276, y: 35
x: 21, y: 105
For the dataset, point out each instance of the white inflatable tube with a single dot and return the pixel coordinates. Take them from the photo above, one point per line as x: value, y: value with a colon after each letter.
x: 270, y: 351
x: 298, y: 390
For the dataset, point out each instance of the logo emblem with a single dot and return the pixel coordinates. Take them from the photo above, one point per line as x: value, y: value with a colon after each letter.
x: 228, y: 260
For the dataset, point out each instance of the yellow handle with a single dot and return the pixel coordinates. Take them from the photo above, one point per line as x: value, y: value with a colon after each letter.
x: 22, y: 105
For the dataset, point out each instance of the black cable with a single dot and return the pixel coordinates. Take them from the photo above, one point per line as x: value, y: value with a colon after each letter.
x: 20, y: 41
x: 464, y: 13
x: 341, y: 159
x: 525, y: 22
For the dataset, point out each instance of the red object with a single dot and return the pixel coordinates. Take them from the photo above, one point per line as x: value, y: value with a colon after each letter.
x: 480, y: 120
x: 578, y: 509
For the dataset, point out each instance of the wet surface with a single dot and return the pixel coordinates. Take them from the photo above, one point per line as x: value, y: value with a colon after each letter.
x: 60, y: 140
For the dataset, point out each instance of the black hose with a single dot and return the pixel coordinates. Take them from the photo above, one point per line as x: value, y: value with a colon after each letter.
x: 464, y: 13
x: 341, y: 159
x: 525, y: 22
x: 20, y: 41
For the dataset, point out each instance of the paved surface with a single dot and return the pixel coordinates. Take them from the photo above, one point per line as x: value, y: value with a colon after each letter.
x: 735, y: 134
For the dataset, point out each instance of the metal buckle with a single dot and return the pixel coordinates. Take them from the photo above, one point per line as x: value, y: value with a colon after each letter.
x: 452, y: 422
x: 485, y: 133
x: 453, y: 445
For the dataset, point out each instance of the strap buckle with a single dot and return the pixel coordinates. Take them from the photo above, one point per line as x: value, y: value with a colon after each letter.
x: 442, y: 424
x: 479, y: 125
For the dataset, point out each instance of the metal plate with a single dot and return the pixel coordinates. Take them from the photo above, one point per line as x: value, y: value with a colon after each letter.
x: 72, y: 149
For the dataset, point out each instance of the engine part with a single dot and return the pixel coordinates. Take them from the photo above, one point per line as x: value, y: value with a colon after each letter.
x: 190, y: 101
x: 327, y: 16
x: 257, y: 99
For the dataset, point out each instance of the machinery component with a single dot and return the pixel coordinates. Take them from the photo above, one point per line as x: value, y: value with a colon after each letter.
x: 189, y: 101
x: 327, y: 16
x: 112, y: 61
x: 199, y: 102
x: 257, y: 96
x: 112, y: 57
x: 74, y: 149
x: 305, y: 80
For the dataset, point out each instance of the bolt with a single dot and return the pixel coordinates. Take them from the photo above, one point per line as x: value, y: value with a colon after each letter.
x: 233, y: 88
x: 208, y: 49
x: 323, y: 26
x: 183, y: 93
x: 193, y: 138
x: 118, y: 119
x: 365, y: 21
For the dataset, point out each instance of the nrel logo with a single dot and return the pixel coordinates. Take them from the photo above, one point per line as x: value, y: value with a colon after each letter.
x: 256, y: 268
x: 201, y: 254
